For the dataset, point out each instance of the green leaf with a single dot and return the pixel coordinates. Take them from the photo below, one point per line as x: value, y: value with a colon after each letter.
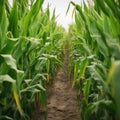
x: 13, y: 20
x: 86, y: 90
x: 94, y: 74
x: 114, y: 8
x: 6, y: 78
x: 32, y: 13
x: 8, y: 46
x: 10, y: 61
x: 33, y: 88
x: 84, y: 64
x: 89, y: 111
x: 103, y: 7
x: 2, y: 3
x: 79, y: 9
x: 48, y: 66
x: 5, y: 117
x: 77, y: 21
x: 114, y: 78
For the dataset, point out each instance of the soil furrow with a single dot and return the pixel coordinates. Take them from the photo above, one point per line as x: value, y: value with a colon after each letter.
x: 62, y: 102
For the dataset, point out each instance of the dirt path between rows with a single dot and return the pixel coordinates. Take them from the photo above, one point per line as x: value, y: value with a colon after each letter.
x: 61, y: 101
x: 61, y: 97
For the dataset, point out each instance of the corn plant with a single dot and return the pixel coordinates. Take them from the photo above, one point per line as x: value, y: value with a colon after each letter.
x: 95, y: 51
x: 30, y: 53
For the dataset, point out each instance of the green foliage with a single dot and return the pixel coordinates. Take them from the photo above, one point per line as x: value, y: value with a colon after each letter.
x: 30, y: 54
x: 95, y: 54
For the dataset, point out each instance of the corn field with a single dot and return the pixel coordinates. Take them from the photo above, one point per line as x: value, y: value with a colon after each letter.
x: 96, y: 55
x: 30, y: 53
x: 32, y: 49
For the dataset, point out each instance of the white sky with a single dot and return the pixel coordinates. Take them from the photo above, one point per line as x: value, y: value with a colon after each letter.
x: 61, y: 8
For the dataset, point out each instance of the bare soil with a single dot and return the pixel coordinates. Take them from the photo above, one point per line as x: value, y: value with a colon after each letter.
x: 62, y: 101
x: 61, y: 97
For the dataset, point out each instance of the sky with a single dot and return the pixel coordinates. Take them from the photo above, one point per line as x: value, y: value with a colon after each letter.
x: 61, y: 8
